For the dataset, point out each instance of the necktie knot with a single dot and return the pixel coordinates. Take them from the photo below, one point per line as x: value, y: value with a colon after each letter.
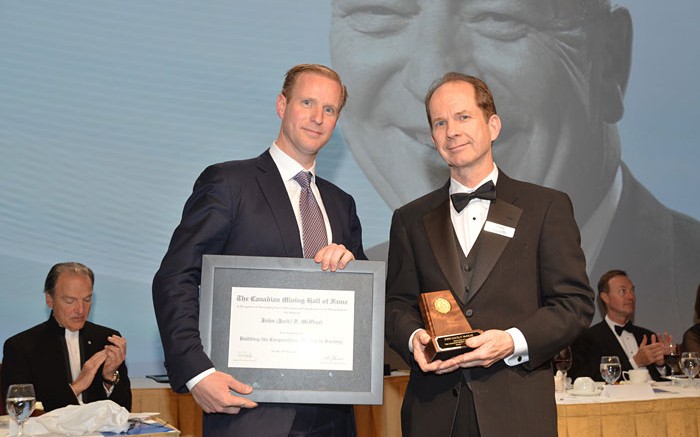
x: 303, y: 178
x: 486, y: 191
x: 627, y: 327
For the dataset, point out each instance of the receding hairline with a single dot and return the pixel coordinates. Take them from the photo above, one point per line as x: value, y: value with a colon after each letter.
x: 60, y: 269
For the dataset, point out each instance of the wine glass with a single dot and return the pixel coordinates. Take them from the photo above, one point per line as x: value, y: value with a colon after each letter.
x: 562, y: 361
x: 610, y: 369
x: 19, y: 403
x: 690, y: 363
x: 672, y: 357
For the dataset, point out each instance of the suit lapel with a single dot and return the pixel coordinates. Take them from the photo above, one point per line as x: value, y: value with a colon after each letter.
x: 490, y: 244
x: 330, y: 205
x: 272, y: 187
x: 440, y: 233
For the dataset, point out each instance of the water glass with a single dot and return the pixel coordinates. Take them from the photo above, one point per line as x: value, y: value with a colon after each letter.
x: 690, y: 363
x: 19, y: 403
x: 610, y: 369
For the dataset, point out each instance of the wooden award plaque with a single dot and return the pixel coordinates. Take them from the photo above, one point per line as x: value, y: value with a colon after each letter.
x: 447, y: 325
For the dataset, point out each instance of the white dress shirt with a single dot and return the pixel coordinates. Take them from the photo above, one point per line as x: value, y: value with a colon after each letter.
x: 73, y: 345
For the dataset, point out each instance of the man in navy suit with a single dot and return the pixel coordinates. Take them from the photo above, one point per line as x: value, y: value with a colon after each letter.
x: 251, y: 207
x: 510, y: 253
x: 636, y: 347
x: 68, y: 359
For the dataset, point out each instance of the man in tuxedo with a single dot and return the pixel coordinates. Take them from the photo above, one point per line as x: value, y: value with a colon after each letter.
x: 513, y: 261
x: 636, y: 347
x: 68, y: 359
x: 252, y: 207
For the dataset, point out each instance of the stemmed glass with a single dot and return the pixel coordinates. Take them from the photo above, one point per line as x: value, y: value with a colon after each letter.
x: 610, y: 369
x: 690, y: 363
x: 672, y: 357
x: 19, y: 403
x: 562, y: 361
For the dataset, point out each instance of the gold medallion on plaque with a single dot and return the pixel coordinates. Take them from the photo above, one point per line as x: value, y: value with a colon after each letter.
x: 442, y: 305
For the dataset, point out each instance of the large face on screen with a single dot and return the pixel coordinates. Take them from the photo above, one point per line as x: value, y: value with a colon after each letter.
x: 542, y: 60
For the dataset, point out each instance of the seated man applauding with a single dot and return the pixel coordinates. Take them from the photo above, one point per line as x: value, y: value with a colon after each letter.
x: 68, y: 359
x: 616, y: 335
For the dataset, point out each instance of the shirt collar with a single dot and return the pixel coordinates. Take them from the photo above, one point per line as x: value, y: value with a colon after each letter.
x: 286, y: 165
x: 456, y: 187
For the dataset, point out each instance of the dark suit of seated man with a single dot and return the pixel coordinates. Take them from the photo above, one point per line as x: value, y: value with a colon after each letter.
x: 636, y: 347
x: 68, y: 359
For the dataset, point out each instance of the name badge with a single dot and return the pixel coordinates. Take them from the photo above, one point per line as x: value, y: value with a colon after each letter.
x: 495, y: 228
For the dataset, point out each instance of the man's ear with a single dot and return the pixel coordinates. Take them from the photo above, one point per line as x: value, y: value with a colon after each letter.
x: 281, y: 105
x: 616, y: 56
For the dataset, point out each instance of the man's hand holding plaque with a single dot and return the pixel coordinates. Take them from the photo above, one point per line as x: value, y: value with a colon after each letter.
x: 446, y: 324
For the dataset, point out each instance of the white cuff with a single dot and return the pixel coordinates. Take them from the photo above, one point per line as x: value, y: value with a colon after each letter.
x: 410, y: 340
x: 520, y: 352
x: 192, y: 382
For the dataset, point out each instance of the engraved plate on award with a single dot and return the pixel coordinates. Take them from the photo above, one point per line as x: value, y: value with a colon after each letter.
x: 446, y: 324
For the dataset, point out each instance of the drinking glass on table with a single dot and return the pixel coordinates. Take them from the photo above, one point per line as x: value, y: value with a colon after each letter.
x: 19, y: 403
x: 672, y: 357
x: 690, y: 363
x: 562, y: 361
x: 610, y: 369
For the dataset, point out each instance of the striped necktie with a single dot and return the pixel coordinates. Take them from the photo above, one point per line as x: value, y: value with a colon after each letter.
x: 313, y: 228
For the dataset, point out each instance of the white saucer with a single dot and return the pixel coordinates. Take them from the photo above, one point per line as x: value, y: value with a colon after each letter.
x: 583, y: 393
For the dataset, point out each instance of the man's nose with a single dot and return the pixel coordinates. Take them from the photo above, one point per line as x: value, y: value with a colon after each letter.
x: 451, y: 130
x: 80, y: 308
x: 317, y: 115
x: 432, y: 51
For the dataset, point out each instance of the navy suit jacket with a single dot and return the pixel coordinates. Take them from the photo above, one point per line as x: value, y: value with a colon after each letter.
x: 39, y: 356
x: 599, y: 340
x: 535, y: 281
x: 236, y: 208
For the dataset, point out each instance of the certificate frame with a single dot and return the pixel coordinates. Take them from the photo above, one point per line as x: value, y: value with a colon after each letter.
x: 363, y: 383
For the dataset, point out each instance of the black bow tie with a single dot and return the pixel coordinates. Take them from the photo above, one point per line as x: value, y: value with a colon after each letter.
x: 487, y: 192
x: 627, y: 327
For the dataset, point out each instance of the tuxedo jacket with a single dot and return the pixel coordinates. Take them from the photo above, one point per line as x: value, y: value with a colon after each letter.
x: 691, y: 339
x: 598, y: 341
x: 39, y: 356
x: 236, y: 208
x: 535, y: 281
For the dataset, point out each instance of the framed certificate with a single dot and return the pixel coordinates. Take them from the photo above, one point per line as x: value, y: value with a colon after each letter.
x: 293, y: 332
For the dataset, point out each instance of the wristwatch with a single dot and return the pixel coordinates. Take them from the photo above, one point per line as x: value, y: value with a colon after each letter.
x: 114, y: 380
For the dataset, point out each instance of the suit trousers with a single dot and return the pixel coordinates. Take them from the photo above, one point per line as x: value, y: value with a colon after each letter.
x: 323, y: 421
x: 466, y: 423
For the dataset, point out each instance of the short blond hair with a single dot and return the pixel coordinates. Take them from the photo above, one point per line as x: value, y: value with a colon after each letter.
x: 296, y: 71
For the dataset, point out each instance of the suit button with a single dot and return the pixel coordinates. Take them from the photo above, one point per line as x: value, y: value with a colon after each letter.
x: 455, y: 392
x: 469, y: 312
x: 468, y: 267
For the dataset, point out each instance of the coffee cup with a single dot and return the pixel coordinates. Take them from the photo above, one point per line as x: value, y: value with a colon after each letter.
x: 584, y: 384
x: 636, y: 376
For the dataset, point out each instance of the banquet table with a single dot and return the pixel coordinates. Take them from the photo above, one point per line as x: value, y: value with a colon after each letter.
x: 671, y: 411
